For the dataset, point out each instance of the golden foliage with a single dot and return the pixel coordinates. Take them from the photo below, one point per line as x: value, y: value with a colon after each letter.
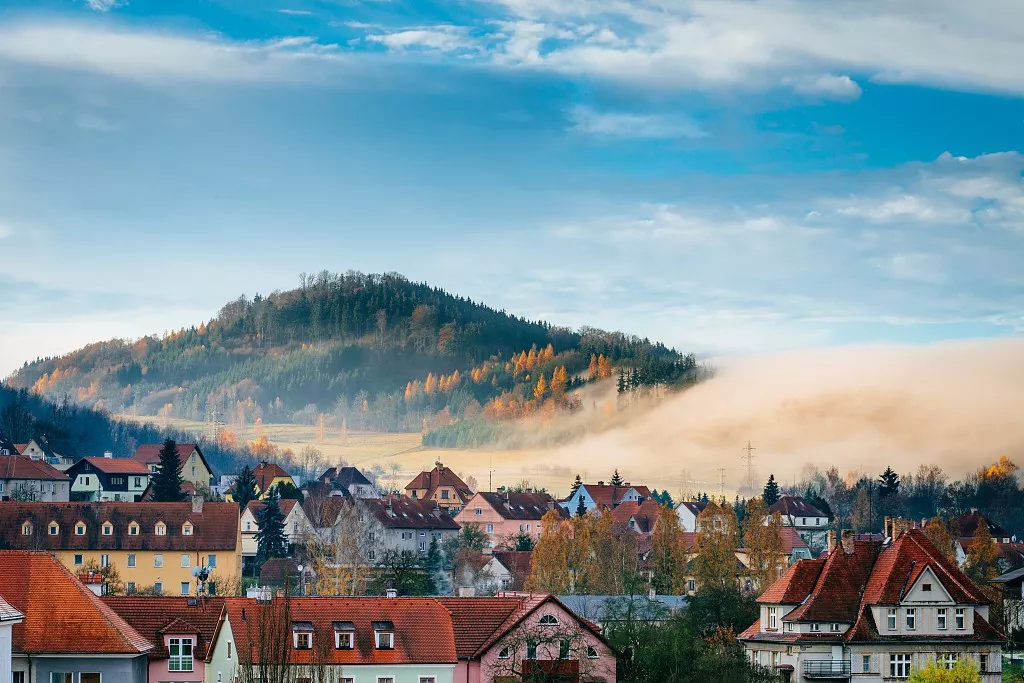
x: 1000, y: 470
x: 717, y: 542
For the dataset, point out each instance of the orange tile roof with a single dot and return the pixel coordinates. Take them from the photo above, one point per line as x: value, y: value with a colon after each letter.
x: 423, y: 628
x: 286, y: 505
x: 607, y: 495
x: 795, y: 584
x: 266, y: 473
x: 61, y: 615
x: 435, y: 479
x: 149, y: 453
x: 645, y: 514
x: 475, y: 620
x: 791, y: 540
x: 155, y: 617
x: 519, y: 563
x: 118, y: 466
x: 21, y: 467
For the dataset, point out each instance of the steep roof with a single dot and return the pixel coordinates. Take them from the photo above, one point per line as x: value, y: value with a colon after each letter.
x: 155, y: 617
x: 322, y: 511
x: 286, y: 505
x: 215, y: 528
x: 149, y: 453
x: 475, y: 620
x: 113, y: 466
x: 522, y: 506
x: 795, y: 584
x: 966, y: 526
x: 399, y: 512
x: 795, y: 506
x: 791, y: 540
x: 266, y: 473
x: 694, y: 506
x: 61, y: 615
x: 345, y: 476
x: 423, y: 628
x: 21, y: 467
x: 836, y: 595
x: 436, y: 478
x: 607, y: 495
x: 519, y: 563
x: 645, y: 514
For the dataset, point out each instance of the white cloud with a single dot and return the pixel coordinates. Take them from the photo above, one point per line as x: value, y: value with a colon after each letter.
x: 636, y: 126
x: 5, y: 231
x: 151, y: 56
x: 105, y: 5
x: 296, y: 12
x: 440, y: 38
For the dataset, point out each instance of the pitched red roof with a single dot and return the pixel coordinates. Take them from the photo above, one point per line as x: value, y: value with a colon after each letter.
x: 795, y: 506
x: 522, y: 506
x: 286, y: 505
x: 475, y: 620
x: 149, y: 453
x: 8, y: 613
x: 61, y: 615
x: 645, y: 514
x: 215, y: 528
x: 607, y: 495
x: 795, y: 584
x: 118, y: 466
x: 20, y: 467
x: 155, y: 617
x: 836, y: 595
x: 399, y: 512
x: 436, y: 478
x: 323, y: 511
x: 423, y: 629
x: 791, y: 540
x: 519, y: 563
x: 265, y: 474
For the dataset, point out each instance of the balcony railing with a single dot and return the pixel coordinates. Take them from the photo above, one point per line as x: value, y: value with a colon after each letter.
x: 827, y: 668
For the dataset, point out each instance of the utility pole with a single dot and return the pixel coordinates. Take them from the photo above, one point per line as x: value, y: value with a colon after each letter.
x: 721, y: 487
x: 748, y: 455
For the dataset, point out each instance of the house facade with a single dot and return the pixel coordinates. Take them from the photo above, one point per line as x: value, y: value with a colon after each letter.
x: 507, y: 570
x: 441, y: 486
x: 602, y: 495
x: 640, y: 518
x: 9, y: 617
x: 108, y: 479
x: 810, y: 522
x: 181, y: 630
x: 688, y: 511
x: 154, y: 546
x: 296, y: 526
x: 22, y: 477
x: 502, y: 516
x: 194, y: 468
x: 873, y: 611
x: 268, y: 475
x: 350, y: 480
x: 400, y: 523
x: 357, y: 640
x: 67, y: 634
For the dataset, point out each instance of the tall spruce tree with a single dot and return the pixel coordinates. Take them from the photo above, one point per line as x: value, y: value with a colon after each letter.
x: 244, y: 490
x: 616, y: 478
x: 167, y: 479
x: 889, y: 483
x: 581, y: 507
x: 771, y: 491
x: 575, y: 486
x: 270, y: 539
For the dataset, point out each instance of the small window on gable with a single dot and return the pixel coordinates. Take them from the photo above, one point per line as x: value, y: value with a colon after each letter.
x: 53, y: 529
x: 160, y: 529
x: 26, y: 529
x: 548, y: 620
x: 108, y: 529
x: 591, y: 652
x: 133, y: 529
x: 344, y: 635
x: 926, y: 587
x: 80, y: 529
x: 186, y: 529
x: 504, y: 653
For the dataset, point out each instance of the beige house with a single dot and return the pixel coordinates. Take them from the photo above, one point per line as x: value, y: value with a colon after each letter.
x: 442, y: 486
x: 194, y: 468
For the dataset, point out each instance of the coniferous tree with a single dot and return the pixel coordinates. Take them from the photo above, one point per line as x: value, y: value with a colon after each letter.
x: 575, y: 486
x: 244, y: 490
x: 616, y: 478
x: 771, y: 491
x: 270, y: 539
x: 621, y: 384
x: 889, y: 483
x: 167, y: 480
x: 581, y: 508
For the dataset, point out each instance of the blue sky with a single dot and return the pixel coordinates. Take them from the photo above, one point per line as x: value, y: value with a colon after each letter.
x: 727, y: 176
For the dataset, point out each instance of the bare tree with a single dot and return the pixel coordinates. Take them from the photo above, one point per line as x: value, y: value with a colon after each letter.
x: 545, y: 653
x: 268, y: 655
x: 341, y: 555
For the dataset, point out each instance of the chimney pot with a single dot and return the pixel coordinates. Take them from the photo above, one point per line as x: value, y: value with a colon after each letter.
x: 831, y: 542
x: 197, y: 504
x: 391, y: 593
x: 108, y: 454
x: 847, y: 541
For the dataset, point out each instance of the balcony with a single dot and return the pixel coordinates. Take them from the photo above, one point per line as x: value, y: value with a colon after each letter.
x: 827, y: 668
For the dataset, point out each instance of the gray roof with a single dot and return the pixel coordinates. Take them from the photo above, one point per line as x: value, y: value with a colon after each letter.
x: 602, y: 608
x: 1009, y: 577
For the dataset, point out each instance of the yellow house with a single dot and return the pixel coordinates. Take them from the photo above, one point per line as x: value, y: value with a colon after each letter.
x: 194, y: 467
x: 441, y: 486
x: 152, y: 545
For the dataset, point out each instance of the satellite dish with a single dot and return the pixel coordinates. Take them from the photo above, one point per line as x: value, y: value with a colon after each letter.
x: 196, y: 571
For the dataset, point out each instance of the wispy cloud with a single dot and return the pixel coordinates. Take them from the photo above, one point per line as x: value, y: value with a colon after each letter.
x: 635, y: 126
x: 438, y: 38
x: 296, y: 12
x: 105, y: 5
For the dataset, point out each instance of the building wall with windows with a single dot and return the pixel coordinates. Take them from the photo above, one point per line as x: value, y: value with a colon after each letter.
x: 71, y: 669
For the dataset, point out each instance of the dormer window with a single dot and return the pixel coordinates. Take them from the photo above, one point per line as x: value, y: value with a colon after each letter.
x: 108, y: 529
x: 548, y: 620
x: 53, y: 529
x: 302, y: 635
x: 186, y: 529
x: 26, y: 529
x: 344, y: 635
x: 80, y: 529
x: 133, y: 529
x: 160, y: 529
x: 384, y: 635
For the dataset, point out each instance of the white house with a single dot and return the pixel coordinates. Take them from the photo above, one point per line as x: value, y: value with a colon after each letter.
x: 604, y: 496
x: 8, y: 618
x: 296, y: 526
x: 873, y: 611
x: 26, y: 479
x: 688, y: 511
x: 810, y: 522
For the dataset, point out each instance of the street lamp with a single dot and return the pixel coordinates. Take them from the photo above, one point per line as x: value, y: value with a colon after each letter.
x: 302, y: 580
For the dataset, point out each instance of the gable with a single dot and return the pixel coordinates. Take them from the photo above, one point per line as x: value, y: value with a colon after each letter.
x: 918, y: 594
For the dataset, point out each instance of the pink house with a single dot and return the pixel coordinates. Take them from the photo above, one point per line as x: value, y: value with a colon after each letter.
x: 505, y: 637
x: 181, y: 628
x: 504, y: 515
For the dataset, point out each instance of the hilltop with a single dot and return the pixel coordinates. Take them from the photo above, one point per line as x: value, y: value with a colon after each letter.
x: 356, y: 351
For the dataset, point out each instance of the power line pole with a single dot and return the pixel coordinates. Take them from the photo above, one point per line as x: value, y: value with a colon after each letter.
x: 721, y: 486
x: 748, y: 455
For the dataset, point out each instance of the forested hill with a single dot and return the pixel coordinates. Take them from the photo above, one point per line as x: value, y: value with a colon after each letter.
x: 369, y: 351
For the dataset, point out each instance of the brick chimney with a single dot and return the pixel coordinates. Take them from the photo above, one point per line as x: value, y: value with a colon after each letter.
x: 830, y: 544
x: 197, y: 504
x: 847, y: 541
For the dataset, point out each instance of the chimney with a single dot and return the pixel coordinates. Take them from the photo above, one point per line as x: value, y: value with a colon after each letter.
x: 551, y: 504
x: 847, y: 541
x: 467, y: 591
x: 626, y: 485
x: 197, y: 504
x: 830, y: 544
x: 93, y: 581
x: 391, y: 593
x: 108, y: 454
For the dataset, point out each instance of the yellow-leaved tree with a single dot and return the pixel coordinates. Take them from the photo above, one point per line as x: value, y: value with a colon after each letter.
x: 668, y: 554
x: 762, y: 536
x: 965, y: 670
x: 550, y: 561
x: 717, y: 542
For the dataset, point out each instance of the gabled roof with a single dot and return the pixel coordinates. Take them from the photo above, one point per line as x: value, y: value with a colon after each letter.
x: 399, y: 512
x: 645, y: 514
x: 21, y: 467
x: 436, y: 478
x: 215, y: 528
x: 694, y: 506
x: 323, y: 511
x: 836, y: 595
x: 966, y: 527
x: 522, y: 506
x: 607, y: 495
x: 795, y: 584
x: 423, y: 629
x: 129, y: 466
x: 61, y: 615
x: 795, y: 506
x: 519, y: 564
x: 345, y: 476
x: 155, y: 617
x: 791, y: 540
x: 149, y: 453
x: 266, y: 473
x: 286, y: 505
x: 8, y: 613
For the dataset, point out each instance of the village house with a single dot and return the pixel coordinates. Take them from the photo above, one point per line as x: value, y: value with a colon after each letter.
x: 194, y: 468
x: 1009, y: 552
x: 348, y: 480
x: 810, y: 522
x: 181, y: 630
x: 442, y: 486
x: 792, y: 549
x: 871, y: 611
x: 503, y: 516
x: 153, y: 545
x: 66, y: 634
x: 513, y: 635
x: 506, y: 570
x: 688, y: 511
x: 268, y: 475
x: 9, y: 617
x: 399, y: 523
x: 638, y: 517
x: 357, y: 640
x: 40, y: 450
x: 108, y: 479
x: 296, y: 526
x: 601, y: 495
x: 27, y: 479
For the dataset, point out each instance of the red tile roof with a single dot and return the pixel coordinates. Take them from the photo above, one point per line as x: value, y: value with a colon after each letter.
x: 795, y: 584
x: 475, y: 620
x: 266, y: 473
x: 607, y: 495
x: 215, y: 528
x: 155, y: 617
x: 61, y: 615
x: 645, y: 514
x: 836, y: 595
x: 519, y: 563
x: 423, y: 629
x: 436, y: 478
x: 149, y: 453
x: 791, y: 540
x: 118, y: 466
x: 21, y: 467
x: 522, y: 506
x: 399, y: 512
x: 795, y: 506
x: 286, y: 505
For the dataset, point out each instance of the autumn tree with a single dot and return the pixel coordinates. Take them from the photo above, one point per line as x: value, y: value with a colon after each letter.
x: 982, y: 554
x: 592, y: 371
x: 559, y: 381
x: 167, y: 479
x: 668, y: 554
x: 964, y: 670
x: 762, y: 536
x: 717, y: 542
x: 942, y: 536
x: 541, y: 389
x: 263, y: 449
x: 860, y: 519
x: 549, y: 571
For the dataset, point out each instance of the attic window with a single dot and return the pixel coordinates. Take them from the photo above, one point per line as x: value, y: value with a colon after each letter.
x: 926, y: 587
x: 108, y: 529
x: 133, y: 529
x: 160, y: 529
x: 26, y: 529
x: 186, y: 529
x: 344, y: 635
x: 548, y: 620
x: 384, y: 635
x: 505, y: 653
x: 53, y: 529
x: 80, y: 529
x: 302, y: 634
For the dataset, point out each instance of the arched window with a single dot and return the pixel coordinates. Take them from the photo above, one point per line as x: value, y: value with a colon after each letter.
x: 548, y: 620
x: 53, y: 529
x: 80, y: 529
x: 108, y: 529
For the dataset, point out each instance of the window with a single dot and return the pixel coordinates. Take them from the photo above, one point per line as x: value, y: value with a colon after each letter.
x: 184, y: 587
x: 385, y: 679
x: 131, y: 559
x: 138, y: 482
x: 815, y: 627
x: 131, y: 588
x: 834, y: 628
x: 789, y: 626
x: 346, y: 679
x: 428, y: 679
x: 478, y: 511
x: 158, y: 560
x: 531, y: 649
x: 522, y: 527
x: 116, y: 481
x: 940, y: 618
x: 93, y: 677
x: 548, y: 620
x: 890, y: 619
x: 181, y: 654
x: 961, y: 618
x: 865, y: 663
x: 104, y: 560
x: 26, y: 529
x: 17, y: 676
x: 773, y: 617
x: 211, y: 561
x: 817, y: 521
x: 108, y: 529
x: 926, y: 587
x: 160, y: 529
x: 186, y: 529
x: 133, y: 529
x: 56, y: 677
x: 691, y: 585
x: 444, y: 494
x: 911, y: 616
x: 591, y: 652
x: 406, y: 535
x: 983, y: 662
x: 490, y: 528
x: 563, y: 649
x: 423, y: 546
x: 303, y: 640
x: 504, y: 653
x: 186, y: 560
x: 946, y: 660
x: 343, y: 640
x: 385, y: 640
x: 803, y: 521
x: 53, y: 529
x: 899, y: 665
x: 78, y: 560
x: 248, y: 526
x: 158, y: 588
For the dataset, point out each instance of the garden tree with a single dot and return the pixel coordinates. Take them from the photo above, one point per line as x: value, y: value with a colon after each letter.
x: 465, y: 554
x: 982, y: 555
x: 888, y: 483
x: 762, y: 536
x: 546, y: 653
x: 111, y: 577
x: 549, y: 570
x: 771, y: 491
x: 167, y: 479
x: 433, y: 565
x: 402, y: 571
x: 286, y: 490
x: 518, y: 541
x: 310, y: 463
x: 965, y: 670
x: 616, y: 479
x: 23, y: 493
x: 270, y: 538
x: 576, y: 484
x: 244, y: 490
x: 265, y: 647
x: 615, y: 569
x: 472, y: 537
x: 861, y: 517
x: 339, y: 549
x: 668, y: 554
x: 942, y: 536
x: 717, y: 541
x: 722, y: 607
